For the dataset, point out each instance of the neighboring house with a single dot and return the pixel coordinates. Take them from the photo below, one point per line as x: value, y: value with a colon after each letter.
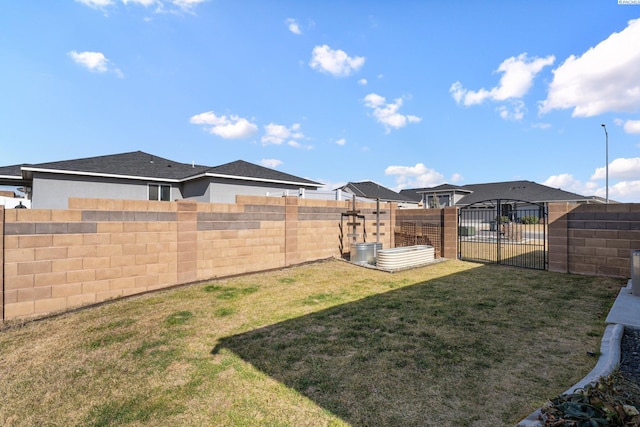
x: 10, y: 200
x: 453, y: 195
x: 142, y: 176
x: 8, y: 197
x: 371, y: 190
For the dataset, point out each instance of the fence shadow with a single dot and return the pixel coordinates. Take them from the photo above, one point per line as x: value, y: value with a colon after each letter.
x: 381, y: 360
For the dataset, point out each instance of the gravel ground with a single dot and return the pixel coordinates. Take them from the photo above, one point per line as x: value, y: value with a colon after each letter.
x: 630, y: 355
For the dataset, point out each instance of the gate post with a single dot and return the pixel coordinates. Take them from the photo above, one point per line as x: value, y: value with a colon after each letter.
x: 450, y: 232
x: 559, y: 236
x: 499, y: 230
x: 1, y: 264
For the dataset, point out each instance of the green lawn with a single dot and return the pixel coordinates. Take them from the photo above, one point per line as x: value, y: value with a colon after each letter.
x: 324, y: 344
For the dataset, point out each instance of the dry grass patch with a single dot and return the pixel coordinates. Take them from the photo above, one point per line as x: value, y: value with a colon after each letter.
x: 325, y: 344
x: 531, y: 254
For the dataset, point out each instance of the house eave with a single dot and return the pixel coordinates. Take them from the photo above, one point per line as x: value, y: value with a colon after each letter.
x: 30, y: 171
x: 248, y: 178
x: 449, y: 191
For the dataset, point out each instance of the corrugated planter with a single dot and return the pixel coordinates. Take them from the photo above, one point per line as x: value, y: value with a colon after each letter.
x: 404, y: 257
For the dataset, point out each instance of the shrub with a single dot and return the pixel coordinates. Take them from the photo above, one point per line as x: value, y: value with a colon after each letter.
x: 530, y: 219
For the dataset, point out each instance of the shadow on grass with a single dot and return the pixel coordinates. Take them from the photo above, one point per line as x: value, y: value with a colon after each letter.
x: 435, y: 353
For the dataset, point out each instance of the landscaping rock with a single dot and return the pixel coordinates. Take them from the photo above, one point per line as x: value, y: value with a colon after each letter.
x: 630, y: 355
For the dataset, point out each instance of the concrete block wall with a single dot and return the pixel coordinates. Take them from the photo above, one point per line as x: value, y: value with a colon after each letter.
x: 430, y: 216
x: 366, y: 230
x: 558, y: 237
x: 97, y: 250
x: 239, y: 238
x: 55, y: 260
x: 312, y: 229
x: 593, y: 239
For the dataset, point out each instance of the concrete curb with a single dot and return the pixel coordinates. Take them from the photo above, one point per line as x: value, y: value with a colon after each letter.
x: 608, y: 361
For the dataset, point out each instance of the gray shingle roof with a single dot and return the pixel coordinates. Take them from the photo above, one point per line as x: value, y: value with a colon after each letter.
x: 133, y: 164
x: 520, y: 190
x: 415, y: 194
x: 138, y: 164
x: 517, y: 190
x: 372, y: 190
x: 11, y: 171
x: 12, y: 176
x: 240, y: 168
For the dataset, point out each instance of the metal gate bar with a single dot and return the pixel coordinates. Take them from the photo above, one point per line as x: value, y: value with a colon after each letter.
x: 507, y: 232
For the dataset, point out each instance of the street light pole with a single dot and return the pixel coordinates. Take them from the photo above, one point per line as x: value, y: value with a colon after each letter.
x: 606, y: 135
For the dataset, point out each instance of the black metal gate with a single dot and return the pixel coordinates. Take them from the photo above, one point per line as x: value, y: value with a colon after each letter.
x: 507, y: 232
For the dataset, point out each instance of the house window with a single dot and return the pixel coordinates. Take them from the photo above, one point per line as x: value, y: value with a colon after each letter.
x: 160, y: 192
x: 438, y: 201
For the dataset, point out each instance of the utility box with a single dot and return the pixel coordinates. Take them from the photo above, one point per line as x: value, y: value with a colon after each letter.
x: 635, y: 272
x: 466, y: 231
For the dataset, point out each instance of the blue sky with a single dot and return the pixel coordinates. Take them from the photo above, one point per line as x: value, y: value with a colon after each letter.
x: 405, y: 93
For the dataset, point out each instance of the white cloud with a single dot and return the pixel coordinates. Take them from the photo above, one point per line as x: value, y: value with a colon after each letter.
x: 388, y: 114
x: 296, y: 144
x: 187, y: 4
x: 603, y: 79
x: 95, y: 62
x: 626, y: 191
x: 341, y: 141
x: 418, y: 176
x: 270, y: 163
x: 334, y: 62
x: 560, y: 181
x: 293, y: 26
x: 625, y: 169
x: 162, y: 6
x: 622, y: 191
x: 514, y: 111
x: 329, y: 185
x: 541, y: 125
x: 568, y: 183
x: 145, y: 3
x: 362, y: 82
x: 96, y: 4
x: 456, y: 177
x: 620, y: 168
x: 232, y: 127
x: 632, y: 126
x: 278, y: 134
x: 517, y: 78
